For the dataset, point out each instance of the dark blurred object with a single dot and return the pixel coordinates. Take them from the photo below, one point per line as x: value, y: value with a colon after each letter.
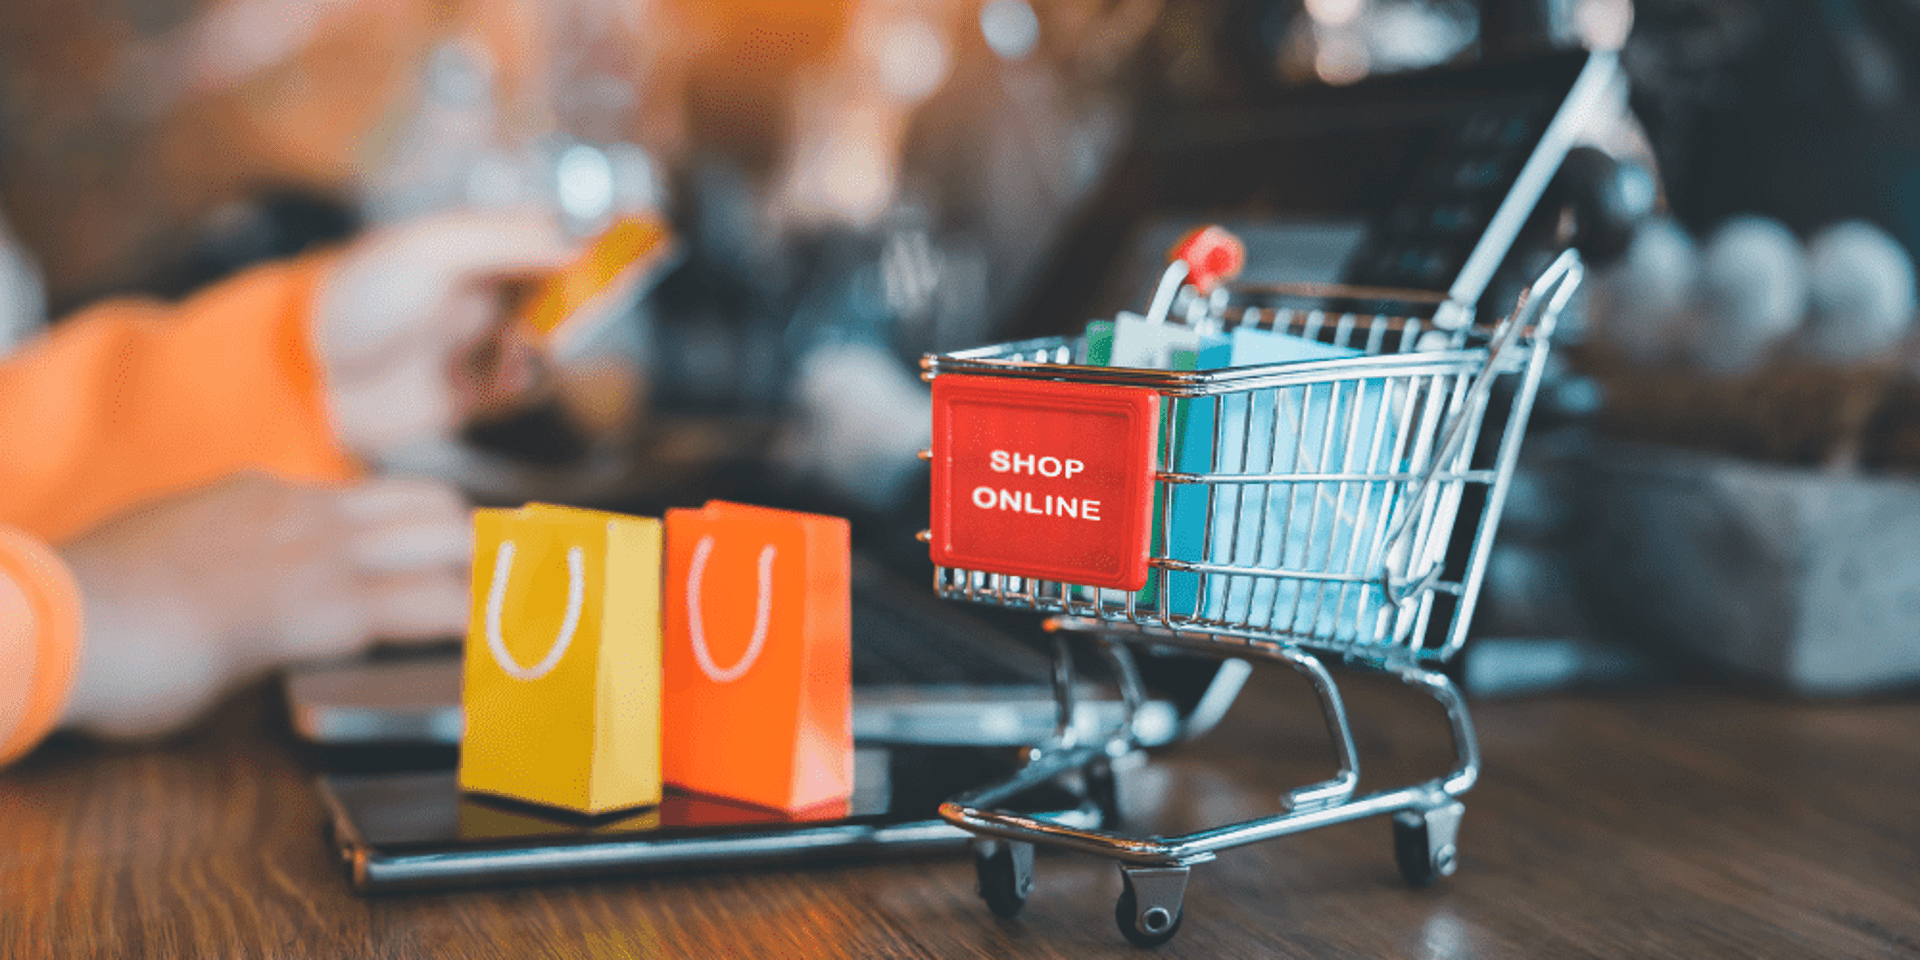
x: 1508, y: 27
x: 541, y: 435
x: 1495, y: 666
x: 1597, y: 204
x: 1790, y: 411
x: 275, y: 224
x: 721, y: 316
x: 1412, y: 181
x: 1804, y: 580
x: 1519, y: 27
x: 1892, y: 434
x: 1802, y: 111
x: 1603, y: 201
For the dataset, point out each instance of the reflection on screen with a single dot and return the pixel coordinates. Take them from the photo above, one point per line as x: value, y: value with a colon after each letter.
x: 428, y: 808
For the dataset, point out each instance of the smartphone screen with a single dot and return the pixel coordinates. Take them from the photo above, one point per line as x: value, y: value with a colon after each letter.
x: 417, y: 831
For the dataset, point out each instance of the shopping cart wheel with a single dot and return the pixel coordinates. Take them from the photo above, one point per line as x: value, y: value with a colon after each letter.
x: 1423, y: 842
x: 1149, y: 911
x: 1005, y: 871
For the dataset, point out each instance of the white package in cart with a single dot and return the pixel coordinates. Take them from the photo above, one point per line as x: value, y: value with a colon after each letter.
x: 1346, y: 427
x: 1131, y: 340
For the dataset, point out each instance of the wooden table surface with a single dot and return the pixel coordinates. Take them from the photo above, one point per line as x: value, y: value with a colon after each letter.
x: 1676, y: 823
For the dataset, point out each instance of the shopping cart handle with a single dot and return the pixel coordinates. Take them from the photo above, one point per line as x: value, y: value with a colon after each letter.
x: 1213, y: 255
x: 1540, y: 304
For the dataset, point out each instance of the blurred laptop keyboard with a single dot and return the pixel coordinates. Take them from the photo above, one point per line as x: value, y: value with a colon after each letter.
x: 906, y: 637
x: 925, y: 671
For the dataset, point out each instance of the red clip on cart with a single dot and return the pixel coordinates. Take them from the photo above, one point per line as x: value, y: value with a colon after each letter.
x: 1291, y: 511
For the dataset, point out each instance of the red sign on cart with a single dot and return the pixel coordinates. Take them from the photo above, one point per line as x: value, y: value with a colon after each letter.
x: 1043, y: 479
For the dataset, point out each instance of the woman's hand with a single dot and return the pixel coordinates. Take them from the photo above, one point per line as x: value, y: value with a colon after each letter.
x: 409, y: 330
x: 189, y: 596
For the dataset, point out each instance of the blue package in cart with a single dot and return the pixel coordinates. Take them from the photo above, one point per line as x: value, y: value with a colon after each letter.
x: 1131, y: 340
x: 1308, y: 528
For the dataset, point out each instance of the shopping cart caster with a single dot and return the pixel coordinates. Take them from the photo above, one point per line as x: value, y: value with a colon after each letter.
x: 1424, y: 842
x: 1005, y: 872
x: 1149, y: 911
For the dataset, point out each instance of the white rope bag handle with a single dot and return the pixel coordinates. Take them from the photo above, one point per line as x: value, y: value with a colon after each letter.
x: 696, y: 627
x: 497, y: 597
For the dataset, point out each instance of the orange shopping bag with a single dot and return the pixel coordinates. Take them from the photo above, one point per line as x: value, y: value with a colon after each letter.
x: 757, y: 665
x: 562, y: 682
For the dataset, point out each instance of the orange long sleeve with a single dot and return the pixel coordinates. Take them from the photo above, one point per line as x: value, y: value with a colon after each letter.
x: 132, y: 402
x: 138, y: 400
x: 39, y: 641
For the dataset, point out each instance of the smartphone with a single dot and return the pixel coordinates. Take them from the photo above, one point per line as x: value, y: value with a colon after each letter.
x: 407, y: 832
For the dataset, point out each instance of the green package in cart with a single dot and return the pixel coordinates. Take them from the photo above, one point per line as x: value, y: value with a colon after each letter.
x: 1149, y: 345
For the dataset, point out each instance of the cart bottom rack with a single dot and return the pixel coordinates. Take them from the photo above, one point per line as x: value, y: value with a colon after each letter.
x: 1154, y: 870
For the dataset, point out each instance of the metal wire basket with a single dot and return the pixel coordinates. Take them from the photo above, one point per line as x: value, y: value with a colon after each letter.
x: 1300, y: 510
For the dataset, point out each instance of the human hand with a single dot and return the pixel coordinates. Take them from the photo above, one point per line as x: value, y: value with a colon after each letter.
x: 185, y: 598
x: 408, y: 330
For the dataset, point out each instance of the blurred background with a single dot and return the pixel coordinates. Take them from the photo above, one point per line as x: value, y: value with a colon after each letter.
x: 1720, y: 478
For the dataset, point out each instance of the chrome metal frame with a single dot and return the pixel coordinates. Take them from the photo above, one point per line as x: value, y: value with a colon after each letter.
x: 1439, y: 396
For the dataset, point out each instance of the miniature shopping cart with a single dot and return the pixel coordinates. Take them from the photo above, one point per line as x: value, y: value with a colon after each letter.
x: 1315, y: 522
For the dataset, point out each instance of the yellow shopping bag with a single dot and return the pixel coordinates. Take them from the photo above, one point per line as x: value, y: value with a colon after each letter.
x: 562, y: 687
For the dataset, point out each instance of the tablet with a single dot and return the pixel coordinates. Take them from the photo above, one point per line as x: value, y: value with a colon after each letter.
x: 406, y: 832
